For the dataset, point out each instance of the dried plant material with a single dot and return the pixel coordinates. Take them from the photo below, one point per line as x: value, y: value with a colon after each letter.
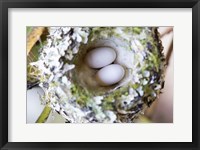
x: 33, y: 36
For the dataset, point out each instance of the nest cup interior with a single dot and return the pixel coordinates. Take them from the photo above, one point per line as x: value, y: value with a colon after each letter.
x: 85, y: 77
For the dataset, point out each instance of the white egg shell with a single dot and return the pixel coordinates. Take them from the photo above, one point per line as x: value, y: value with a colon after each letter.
x: 34, y: 106
x: 100, y: 57
x: 110, y: 75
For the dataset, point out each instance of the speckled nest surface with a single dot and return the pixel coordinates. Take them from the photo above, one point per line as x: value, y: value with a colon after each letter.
x: 58, y: 68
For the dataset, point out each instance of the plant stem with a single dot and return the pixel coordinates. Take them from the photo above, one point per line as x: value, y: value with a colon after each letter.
x: 44, y: 115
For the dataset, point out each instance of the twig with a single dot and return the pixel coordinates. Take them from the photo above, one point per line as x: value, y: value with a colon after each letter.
x: 44, y: 115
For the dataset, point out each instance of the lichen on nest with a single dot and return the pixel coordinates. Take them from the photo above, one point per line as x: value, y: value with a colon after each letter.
x: 60, y: 64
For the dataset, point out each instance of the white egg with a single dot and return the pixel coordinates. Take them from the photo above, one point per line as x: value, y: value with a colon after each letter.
x: 34, y: 106
x: 110, y: 75
x: 100, y: 57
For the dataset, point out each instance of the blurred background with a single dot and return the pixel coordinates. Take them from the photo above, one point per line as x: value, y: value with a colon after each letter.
x: 161, y: 111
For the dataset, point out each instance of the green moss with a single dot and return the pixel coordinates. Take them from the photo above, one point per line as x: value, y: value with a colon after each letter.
x: 137, y: 30
x: 135, y: 86
x: 32, y: 73
x: 126, y: 94
x: 81, y: 101
x: 107, y: 106
x: 134, y: 30
x: 109, y: 98
x: 155, y: 61
x: 82, y: 95
x: 147, y: 89
x: 143, y: 42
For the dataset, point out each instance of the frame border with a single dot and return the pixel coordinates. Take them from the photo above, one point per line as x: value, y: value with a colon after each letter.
x: 6, y: 4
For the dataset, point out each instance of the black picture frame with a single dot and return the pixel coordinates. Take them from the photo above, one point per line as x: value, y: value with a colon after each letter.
x: 4, y: 87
